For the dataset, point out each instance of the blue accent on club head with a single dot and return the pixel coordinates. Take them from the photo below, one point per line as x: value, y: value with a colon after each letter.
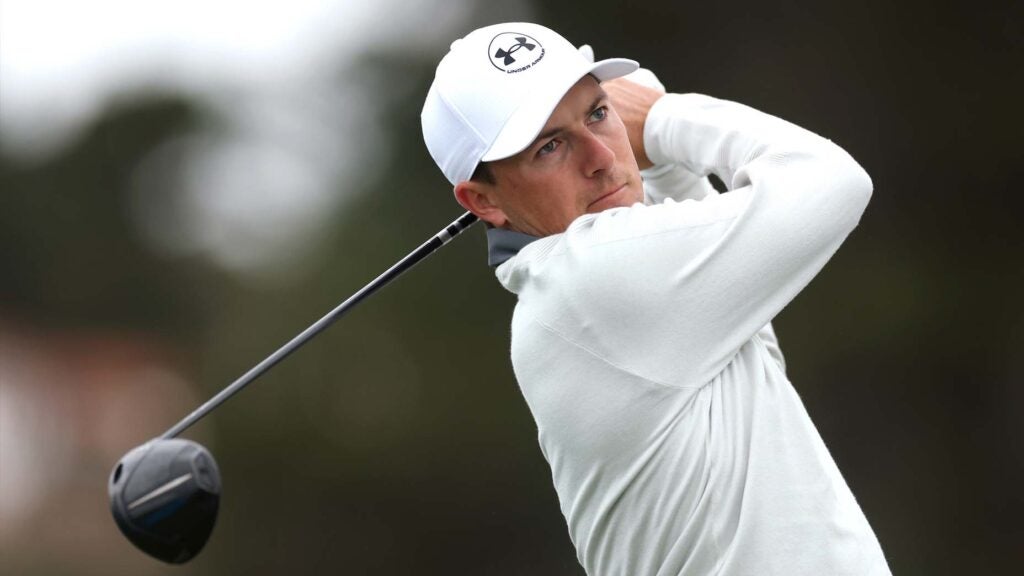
x: 162, y: 512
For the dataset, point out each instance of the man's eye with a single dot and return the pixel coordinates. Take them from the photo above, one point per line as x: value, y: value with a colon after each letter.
x: 599, y: 114
x: 548, y: 148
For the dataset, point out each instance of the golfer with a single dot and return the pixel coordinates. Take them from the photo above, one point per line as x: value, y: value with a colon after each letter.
x: 642, y: 339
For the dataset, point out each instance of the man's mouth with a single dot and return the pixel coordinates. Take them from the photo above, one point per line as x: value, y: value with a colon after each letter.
x: 606, y: 195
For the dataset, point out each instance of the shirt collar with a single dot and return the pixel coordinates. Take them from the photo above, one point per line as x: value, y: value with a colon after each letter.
x: 503, y: 244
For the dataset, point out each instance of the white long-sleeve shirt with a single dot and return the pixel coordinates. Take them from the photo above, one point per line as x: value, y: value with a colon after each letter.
x: 642, y: 343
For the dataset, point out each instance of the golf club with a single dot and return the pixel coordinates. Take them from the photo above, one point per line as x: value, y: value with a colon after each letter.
x: 164, y: 495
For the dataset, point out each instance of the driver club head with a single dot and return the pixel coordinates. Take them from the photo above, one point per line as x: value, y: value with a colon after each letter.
x: 164, y: 497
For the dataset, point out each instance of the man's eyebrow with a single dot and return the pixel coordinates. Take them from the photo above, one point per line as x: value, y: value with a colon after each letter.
x: 556, y: 129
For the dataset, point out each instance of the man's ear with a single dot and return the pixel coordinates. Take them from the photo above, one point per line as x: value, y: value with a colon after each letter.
x: 478, y: 198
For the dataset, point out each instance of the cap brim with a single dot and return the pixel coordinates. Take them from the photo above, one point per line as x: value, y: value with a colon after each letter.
x: 529, y: 119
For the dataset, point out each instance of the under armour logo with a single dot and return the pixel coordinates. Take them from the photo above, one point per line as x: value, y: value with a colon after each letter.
x: 507, y: 54
x: 503, y: 48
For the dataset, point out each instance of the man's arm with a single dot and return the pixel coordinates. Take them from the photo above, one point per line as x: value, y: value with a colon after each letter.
x: 632, y: 97
x: 633, y: 102
x: 699, y: 279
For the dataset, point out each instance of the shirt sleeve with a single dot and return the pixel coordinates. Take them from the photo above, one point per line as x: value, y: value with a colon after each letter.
x: 675, y: 182
x: 694, y: 280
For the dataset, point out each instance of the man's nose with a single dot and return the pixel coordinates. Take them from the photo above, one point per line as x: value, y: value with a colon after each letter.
x: 597, y: 156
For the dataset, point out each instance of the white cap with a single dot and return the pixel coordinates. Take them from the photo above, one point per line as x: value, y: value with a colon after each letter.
x: 496, y: 88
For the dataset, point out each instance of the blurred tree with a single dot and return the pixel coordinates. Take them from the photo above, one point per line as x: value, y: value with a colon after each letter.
x: 69, y: 251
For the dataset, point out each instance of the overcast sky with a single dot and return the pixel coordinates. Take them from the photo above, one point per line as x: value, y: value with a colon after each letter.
x: 59, y: 57
x: 254, y: 197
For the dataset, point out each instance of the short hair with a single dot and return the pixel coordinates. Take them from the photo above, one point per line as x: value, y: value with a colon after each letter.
x: 483, y: 173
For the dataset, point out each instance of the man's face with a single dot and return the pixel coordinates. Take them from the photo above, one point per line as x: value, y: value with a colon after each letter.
x: 581, y: 163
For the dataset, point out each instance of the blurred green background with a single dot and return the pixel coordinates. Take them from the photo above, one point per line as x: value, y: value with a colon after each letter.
x: 138, y: 276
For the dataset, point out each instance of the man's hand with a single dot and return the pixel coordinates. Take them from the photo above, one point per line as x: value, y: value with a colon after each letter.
x: 632, y: 102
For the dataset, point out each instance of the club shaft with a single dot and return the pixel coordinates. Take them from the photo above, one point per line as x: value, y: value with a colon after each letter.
x: 427, y: 248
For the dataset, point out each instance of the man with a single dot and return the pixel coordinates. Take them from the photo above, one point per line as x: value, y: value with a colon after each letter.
x: 641, y: 339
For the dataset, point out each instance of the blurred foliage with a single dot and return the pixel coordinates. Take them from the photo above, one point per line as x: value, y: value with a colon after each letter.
x: 397, y: 442
x: 69, y: 250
